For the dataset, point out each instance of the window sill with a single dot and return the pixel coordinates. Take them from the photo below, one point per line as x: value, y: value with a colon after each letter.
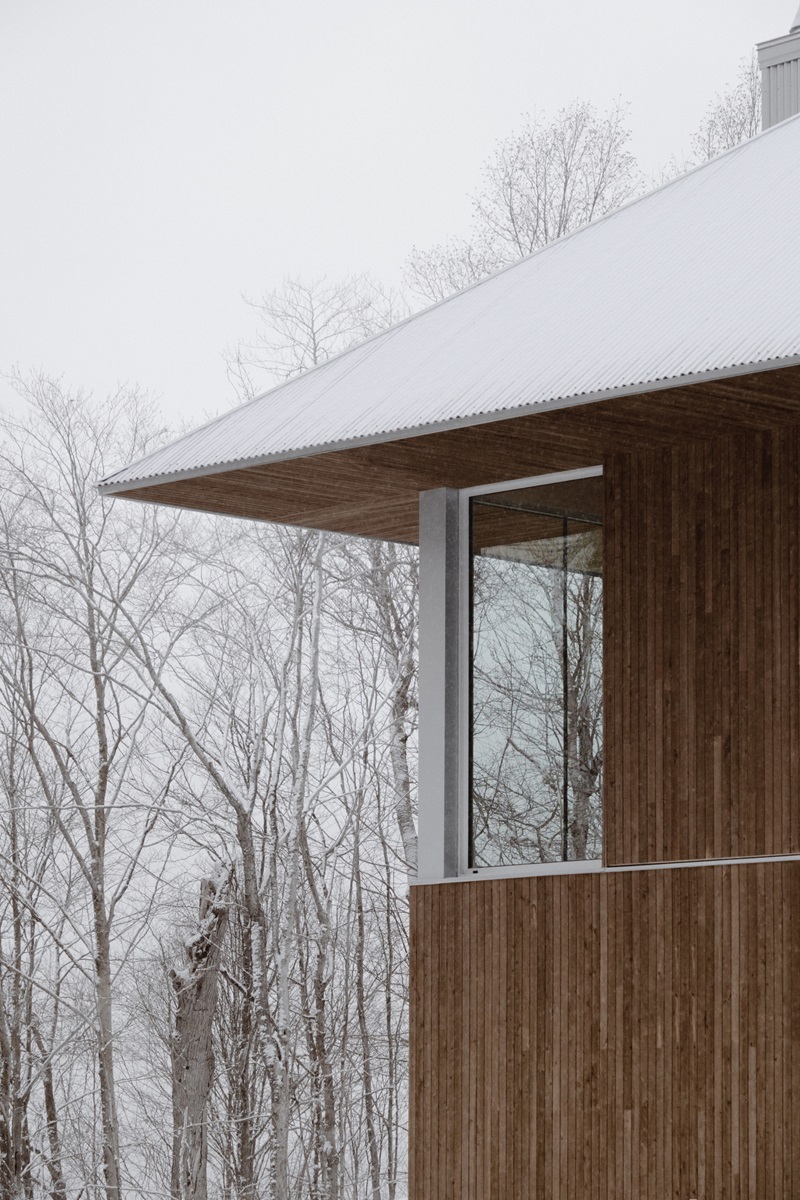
x: 476, y: 875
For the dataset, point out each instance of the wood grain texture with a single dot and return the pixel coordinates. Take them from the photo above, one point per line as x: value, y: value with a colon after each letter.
x: 373, y: 490
x: 702, y: 650
x: 621, y: 1036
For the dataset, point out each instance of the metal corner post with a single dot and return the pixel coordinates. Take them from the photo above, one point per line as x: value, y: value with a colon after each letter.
x: 441, y: 632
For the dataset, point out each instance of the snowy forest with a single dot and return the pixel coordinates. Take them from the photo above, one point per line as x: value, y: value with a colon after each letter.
x: 207, y: 768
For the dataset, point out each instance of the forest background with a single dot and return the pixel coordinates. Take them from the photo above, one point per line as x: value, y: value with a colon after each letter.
x: 207, y: 764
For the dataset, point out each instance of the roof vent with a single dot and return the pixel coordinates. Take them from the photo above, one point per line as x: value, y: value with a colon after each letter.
x: 779, y: 61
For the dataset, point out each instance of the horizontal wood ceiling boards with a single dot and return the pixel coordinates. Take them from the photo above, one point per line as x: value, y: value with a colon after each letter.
x: 702, y: 650
x: 621, y: 1036
x: 373, y: 490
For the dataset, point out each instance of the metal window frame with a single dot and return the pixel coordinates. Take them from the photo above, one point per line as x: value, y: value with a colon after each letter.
x: 444, y: 683
x: 467, y: 496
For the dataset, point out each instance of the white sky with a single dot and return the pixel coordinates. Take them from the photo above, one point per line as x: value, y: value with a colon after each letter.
x: 161, y: 157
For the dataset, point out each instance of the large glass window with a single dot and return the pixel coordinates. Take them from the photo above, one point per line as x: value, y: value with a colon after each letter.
x: 536, y: 674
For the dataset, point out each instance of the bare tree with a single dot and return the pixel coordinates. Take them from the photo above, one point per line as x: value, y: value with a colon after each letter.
x: 66, y: 569
x: 247, y: 716
x: 303, y: 323
x: 540, y: 183
x: 394, y: 583
x: 733, y: 117
x: 284, y: 694
x: 278, y: 715
x: 19, y: 945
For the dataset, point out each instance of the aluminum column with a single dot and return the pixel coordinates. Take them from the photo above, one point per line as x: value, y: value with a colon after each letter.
x: 442, y: 632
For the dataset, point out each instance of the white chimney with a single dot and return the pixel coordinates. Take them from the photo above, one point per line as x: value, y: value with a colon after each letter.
x: 779, y: 61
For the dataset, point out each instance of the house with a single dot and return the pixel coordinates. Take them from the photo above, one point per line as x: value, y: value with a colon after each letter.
x: 598, y: 450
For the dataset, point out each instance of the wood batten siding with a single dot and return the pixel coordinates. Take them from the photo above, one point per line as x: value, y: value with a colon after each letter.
x: 702, y: 650
x: 373, y: 490
x: 631, y: 1035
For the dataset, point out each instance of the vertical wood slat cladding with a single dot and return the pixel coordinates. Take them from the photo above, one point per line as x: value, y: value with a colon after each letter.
x: 702, y: 650
x: 620, y: 1036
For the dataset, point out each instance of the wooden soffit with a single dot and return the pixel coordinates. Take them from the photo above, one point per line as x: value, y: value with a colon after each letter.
x: 373, y: 490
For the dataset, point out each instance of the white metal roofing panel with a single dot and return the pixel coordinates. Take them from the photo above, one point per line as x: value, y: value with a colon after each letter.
x: 701, y: 276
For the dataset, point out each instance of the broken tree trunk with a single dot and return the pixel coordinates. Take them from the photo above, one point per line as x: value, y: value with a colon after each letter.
x: 195, y: 987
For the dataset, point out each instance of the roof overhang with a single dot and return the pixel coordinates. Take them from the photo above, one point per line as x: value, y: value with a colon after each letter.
x: 677, y: 313
x: 371, y: 486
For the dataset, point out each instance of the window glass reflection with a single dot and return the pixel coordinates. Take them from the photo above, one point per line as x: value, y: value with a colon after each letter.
x: 537, y: 675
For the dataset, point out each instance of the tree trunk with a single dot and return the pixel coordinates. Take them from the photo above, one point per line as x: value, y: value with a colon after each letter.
x: 105, y: 1054
x: 366, y: 1048
x: 400, y: 660
x: 195, y: 986
x: 58, y: 1186
x: 583, y: 751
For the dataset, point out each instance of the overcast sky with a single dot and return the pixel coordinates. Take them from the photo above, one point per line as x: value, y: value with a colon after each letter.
x: 162, y: 157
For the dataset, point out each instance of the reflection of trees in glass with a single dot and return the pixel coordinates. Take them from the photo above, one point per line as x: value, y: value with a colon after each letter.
x: 537, y: 650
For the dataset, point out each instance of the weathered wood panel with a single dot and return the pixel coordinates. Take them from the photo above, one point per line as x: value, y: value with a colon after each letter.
x: 621, y: 1036
x: 702, y: 650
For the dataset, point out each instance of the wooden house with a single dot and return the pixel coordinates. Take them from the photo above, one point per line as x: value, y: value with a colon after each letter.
x: 598, y: 450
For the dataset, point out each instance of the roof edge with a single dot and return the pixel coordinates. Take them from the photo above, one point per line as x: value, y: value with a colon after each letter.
x: 383, y: 334
x: 378, y: 439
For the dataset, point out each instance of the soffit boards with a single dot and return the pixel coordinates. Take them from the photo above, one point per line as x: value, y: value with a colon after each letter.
x: 373, y: 490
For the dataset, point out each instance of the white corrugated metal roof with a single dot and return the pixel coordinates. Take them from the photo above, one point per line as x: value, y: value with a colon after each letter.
x: 700, y: 277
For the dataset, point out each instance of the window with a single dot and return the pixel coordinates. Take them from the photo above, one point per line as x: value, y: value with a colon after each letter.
x: 536, y: 673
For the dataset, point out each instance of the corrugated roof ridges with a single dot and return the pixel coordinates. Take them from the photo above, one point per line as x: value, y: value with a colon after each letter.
x: 701, y: 276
